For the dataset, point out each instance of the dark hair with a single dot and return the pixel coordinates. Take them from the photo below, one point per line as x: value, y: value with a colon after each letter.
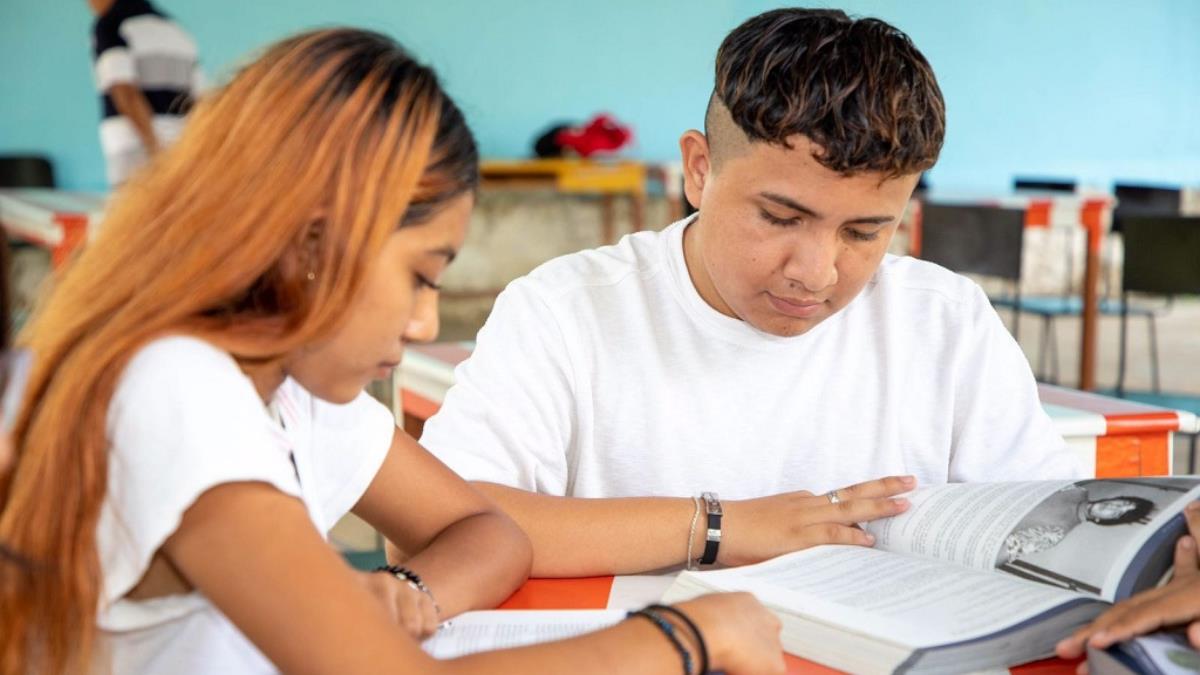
x: 857, y: 88
x: 454, y: 158
x: 1141, y: 508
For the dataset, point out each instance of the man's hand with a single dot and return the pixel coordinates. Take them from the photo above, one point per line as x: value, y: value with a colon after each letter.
x: 757, y: 529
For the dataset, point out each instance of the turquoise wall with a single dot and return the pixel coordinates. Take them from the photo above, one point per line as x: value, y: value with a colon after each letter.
x: 1096, y: 89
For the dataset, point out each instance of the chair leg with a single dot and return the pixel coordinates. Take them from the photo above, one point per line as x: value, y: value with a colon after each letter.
x: 1123, y: 344
x: 1053, y: 353
x: 1192, y: 456
x: 1155, y: 373
x: 1044, y: 351
x: 1016, y: 319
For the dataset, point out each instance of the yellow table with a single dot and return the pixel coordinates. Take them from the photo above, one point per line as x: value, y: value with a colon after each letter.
x: 577, y: 176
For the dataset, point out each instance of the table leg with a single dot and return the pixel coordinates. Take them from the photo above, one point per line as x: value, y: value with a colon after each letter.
x: 1087, y: 351
x: 608, y: 229
x: 1092, y: 217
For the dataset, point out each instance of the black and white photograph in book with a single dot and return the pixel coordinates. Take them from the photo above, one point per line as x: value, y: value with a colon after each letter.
x: 1074, y: 536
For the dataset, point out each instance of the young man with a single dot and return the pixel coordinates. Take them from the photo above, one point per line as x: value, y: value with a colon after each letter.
x: 147, y: 75
x: 763, y: 347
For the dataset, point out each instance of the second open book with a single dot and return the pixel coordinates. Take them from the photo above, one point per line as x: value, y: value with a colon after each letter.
x: 972, y: 576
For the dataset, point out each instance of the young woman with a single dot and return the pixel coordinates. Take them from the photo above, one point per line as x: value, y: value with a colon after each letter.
x: 194, y: 418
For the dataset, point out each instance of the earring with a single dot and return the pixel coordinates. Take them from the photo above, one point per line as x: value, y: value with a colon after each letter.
x: 311, y: 276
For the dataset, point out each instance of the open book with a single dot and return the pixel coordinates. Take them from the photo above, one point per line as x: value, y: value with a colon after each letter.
x: 972, y: 576
x: 499, y: 629
x: 1162, y: 653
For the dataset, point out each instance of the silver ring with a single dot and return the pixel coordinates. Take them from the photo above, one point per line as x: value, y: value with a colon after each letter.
x: 833, y: 498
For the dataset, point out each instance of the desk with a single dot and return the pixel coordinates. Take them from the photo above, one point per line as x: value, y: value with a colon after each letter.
x: 52, y: 219
x: 1111, y: 437
x: 637, y: 591
x: 1091, y: 213
x: 1122, y: 438
x: 577, y: 176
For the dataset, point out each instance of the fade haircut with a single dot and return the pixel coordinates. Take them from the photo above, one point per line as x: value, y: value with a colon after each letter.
x: 857, y: 88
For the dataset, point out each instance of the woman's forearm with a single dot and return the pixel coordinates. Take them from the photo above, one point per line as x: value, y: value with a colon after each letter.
x: 474, y: 563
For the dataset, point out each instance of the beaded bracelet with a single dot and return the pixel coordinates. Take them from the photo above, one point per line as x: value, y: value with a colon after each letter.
x: 412, y: 579
x: 687, y: 621
x: 668, y: 630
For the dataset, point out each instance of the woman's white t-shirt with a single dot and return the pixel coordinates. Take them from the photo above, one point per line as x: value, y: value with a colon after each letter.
x: 184, y: 419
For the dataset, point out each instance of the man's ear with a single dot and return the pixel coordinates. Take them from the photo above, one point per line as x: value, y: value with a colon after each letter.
x: 697, y: 165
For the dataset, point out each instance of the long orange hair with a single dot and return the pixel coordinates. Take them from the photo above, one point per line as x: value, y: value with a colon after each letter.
x: 303, y: 163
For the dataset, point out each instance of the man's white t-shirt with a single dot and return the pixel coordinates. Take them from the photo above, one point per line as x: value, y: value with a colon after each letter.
x: 185, y: 419
x: 605, y: 374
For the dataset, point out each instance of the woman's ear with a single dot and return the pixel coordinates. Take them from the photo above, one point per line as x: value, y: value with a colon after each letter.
x: 310, y: 246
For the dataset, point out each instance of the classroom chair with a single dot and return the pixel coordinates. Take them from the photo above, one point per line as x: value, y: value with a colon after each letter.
x: 1144, y: 200
x: 17, y: 171
x: 1057, y: 185
x: 988, y: 241
x: 1162, y: 257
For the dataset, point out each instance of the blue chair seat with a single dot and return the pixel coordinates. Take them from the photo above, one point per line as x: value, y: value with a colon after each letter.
x: 1186, y: 402
x: 1052, y: 305
x: 1113, y: 307
x: 1044, y: 305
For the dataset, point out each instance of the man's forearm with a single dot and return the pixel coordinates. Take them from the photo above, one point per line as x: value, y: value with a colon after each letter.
x: 592, y: 537
x: 132, y: 104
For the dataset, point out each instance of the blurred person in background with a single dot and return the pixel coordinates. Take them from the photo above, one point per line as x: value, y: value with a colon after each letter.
x: 147, y: 72
x: 194, y: 419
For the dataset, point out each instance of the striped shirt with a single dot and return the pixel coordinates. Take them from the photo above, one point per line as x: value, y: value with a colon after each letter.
x: 134, y: 43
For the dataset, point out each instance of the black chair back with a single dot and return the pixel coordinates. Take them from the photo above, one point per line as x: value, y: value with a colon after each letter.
x: 983, y: 240
x: 1026, y: 184
x: 1147, y: 199
x: 17, y: 171
x: 1141, y: 200
x: 1162, y: 254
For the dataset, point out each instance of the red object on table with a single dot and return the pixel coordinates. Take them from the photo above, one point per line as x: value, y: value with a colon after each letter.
x: 55, y: 220
x: 600, y: 135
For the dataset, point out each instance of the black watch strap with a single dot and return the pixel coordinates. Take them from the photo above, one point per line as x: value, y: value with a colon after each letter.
x: 712, y: 539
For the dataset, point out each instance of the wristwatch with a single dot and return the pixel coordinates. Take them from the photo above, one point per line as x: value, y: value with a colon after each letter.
x: 712, y: 540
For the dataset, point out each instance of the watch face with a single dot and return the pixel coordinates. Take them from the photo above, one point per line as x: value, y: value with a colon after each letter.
x: 712, y: 504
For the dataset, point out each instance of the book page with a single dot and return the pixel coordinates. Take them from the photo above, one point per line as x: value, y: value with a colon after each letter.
x: 909, y: 600
x: 1077, y: 535
x: 964, y: 523
x: 473, y: 632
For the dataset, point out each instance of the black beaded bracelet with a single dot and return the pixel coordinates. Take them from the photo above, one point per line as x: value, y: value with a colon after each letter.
x: 403, y: 574
x: 407, y: 575
x: 687, y: 621
x: 668, y: 630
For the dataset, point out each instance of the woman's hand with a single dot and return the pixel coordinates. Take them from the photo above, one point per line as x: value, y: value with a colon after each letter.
x: 757, y: 529
x: 409, y: 607
x: 1177, y: 603
x: 741, y: 635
